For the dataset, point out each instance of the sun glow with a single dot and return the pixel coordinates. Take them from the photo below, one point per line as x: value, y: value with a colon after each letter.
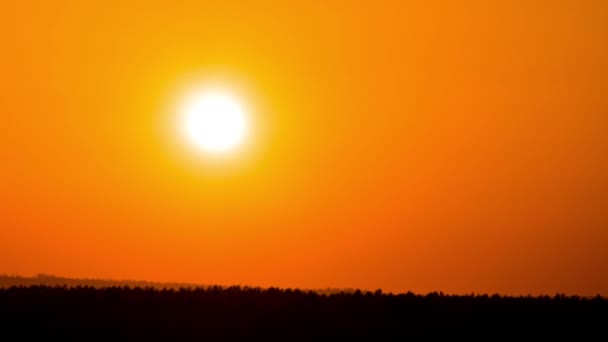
x: 214, y: 122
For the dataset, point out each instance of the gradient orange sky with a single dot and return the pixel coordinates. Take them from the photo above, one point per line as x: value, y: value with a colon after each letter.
x: 423, y: 145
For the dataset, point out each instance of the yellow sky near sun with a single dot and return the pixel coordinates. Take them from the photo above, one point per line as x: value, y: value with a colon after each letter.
x: 423, y: 145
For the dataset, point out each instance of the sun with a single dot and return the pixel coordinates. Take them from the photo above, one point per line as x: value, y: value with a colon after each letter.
x: 214, y: 122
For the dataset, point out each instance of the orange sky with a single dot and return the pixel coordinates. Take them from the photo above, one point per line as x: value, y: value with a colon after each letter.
x: 422, y: 145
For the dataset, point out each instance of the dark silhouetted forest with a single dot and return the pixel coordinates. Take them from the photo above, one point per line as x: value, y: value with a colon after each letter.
x: 125, y: 313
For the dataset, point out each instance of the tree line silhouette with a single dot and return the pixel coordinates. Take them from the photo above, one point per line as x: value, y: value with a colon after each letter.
x: 135, y: 313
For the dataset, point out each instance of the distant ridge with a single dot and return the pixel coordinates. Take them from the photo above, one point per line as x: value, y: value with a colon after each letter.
x: 51, y: 280
x: 7, y: 281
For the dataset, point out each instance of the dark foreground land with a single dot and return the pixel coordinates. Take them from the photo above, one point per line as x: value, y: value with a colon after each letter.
x: 123, y: 313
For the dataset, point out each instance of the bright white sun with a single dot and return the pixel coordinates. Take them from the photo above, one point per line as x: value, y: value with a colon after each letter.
x: 214, y: 122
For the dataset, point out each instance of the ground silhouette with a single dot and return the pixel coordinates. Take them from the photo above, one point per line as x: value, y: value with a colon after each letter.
x: 127, y: 313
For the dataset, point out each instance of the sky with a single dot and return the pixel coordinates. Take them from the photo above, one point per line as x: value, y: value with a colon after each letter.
x: 409, y: 146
